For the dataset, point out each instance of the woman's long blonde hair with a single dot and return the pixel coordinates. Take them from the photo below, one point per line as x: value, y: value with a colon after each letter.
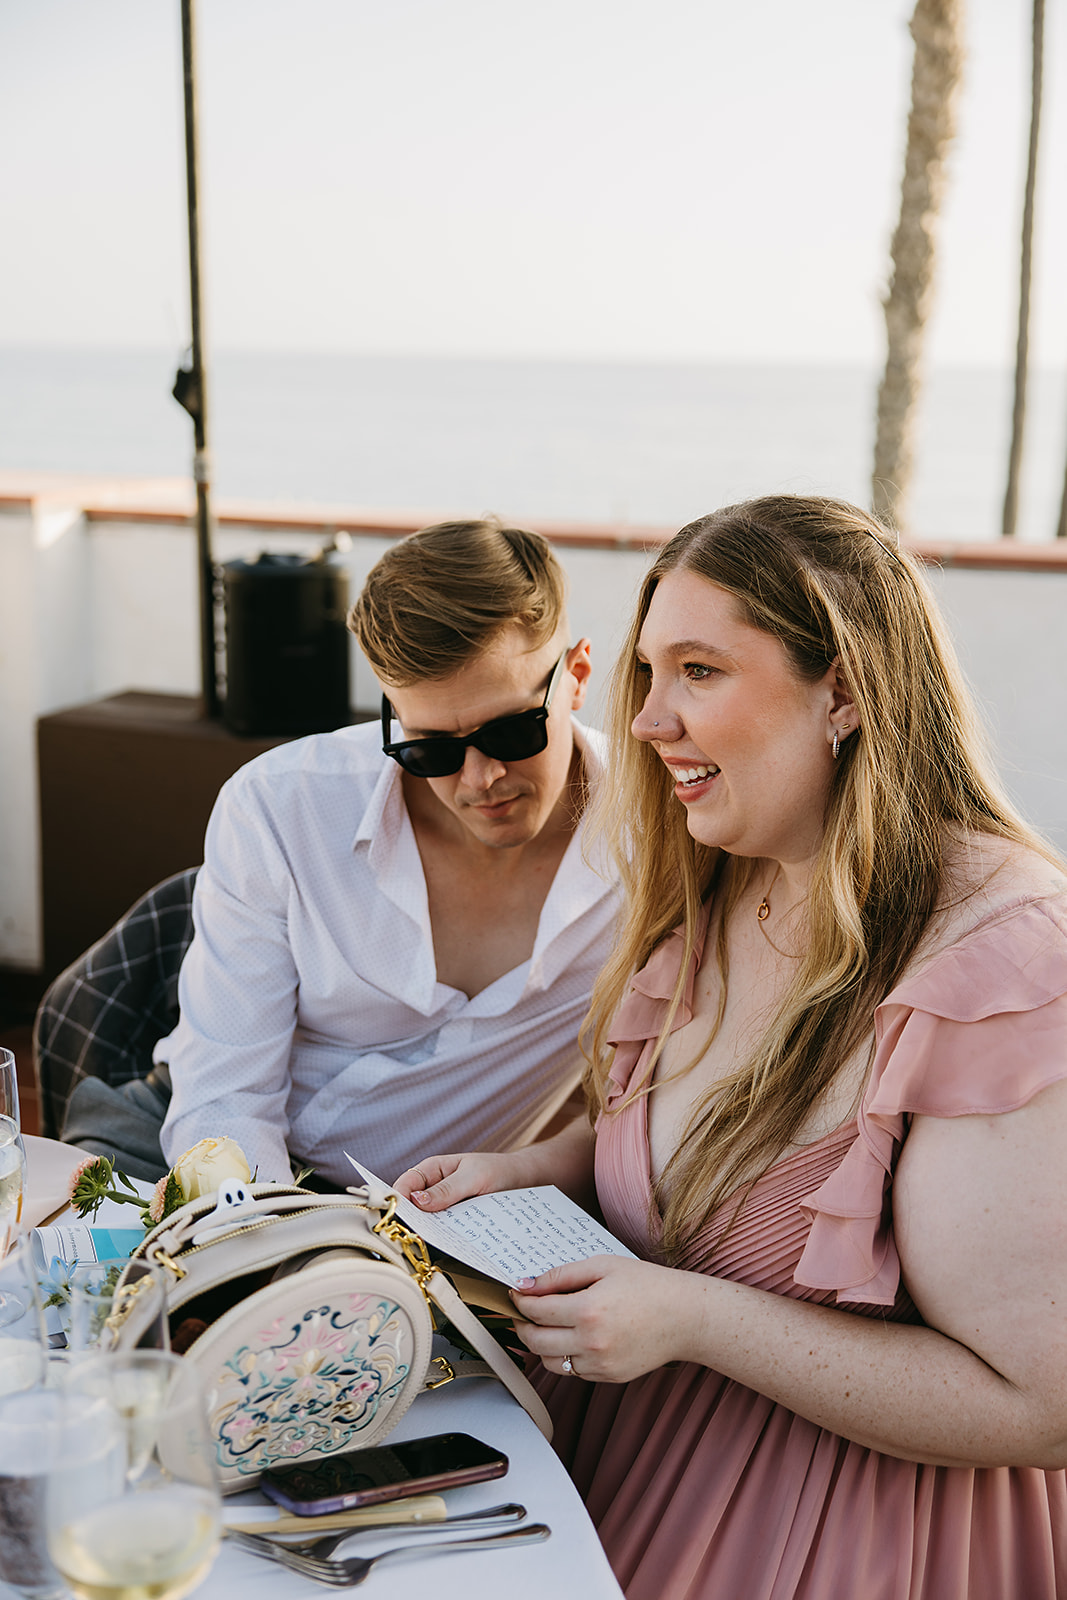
x: 827, y: 580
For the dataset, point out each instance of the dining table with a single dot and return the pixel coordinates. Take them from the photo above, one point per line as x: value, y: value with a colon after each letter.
x: 571, y: 1562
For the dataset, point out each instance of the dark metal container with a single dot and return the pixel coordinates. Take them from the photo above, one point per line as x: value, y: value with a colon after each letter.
x: 287, y: 668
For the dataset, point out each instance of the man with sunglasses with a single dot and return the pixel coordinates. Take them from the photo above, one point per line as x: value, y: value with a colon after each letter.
x: 396, y: 929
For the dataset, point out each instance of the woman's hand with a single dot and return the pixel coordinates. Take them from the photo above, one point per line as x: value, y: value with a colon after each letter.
x: 440, y: 1181
x: 565, y: 1160
x: 614, y: 1318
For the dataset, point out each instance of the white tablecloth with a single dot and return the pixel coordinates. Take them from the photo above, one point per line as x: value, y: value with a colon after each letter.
x: 570, y: 1563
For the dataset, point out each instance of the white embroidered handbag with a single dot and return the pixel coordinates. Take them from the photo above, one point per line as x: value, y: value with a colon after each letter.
x: 310, y: 1319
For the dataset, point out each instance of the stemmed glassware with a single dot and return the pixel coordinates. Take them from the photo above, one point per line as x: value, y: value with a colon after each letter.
x: 107, y: 1474
x: 146, y: 1521
x: 12, y: 1175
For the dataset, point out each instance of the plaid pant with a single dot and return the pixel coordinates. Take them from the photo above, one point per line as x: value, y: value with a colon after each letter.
x: 102, y: 1017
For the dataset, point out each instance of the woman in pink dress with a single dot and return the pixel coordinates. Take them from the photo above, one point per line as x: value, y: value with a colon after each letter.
x: 828, y: 1072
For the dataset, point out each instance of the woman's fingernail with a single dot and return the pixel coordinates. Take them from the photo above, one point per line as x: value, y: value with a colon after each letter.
x: 525, y: 1283
x: 420, y: 1195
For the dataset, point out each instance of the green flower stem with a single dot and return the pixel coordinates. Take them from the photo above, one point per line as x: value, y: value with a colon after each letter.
x: 89, y: 1208
x: 95, y: 1185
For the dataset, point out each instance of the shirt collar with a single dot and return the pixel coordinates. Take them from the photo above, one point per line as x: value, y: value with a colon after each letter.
x: 385, y: 808
x: 386, y: 834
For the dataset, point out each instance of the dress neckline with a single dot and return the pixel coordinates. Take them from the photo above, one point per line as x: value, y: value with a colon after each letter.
x: 779, y: 1171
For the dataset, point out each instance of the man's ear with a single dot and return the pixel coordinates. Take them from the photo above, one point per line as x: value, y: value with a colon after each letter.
x: 581, y: 668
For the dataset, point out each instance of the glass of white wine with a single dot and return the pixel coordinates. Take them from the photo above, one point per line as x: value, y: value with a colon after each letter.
x: 149, y: 1530
x: 12, y: 1176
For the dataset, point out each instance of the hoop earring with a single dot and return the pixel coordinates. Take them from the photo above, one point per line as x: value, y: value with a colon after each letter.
x: 837, y: 745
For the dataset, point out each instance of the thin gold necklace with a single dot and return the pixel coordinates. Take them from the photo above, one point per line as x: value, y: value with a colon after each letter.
x: 763, y: 911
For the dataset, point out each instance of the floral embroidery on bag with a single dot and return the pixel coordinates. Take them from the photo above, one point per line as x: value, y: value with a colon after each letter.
x: 315, y: 1385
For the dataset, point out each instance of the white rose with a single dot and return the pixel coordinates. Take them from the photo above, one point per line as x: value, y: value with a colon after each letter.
x: 209, y: 1163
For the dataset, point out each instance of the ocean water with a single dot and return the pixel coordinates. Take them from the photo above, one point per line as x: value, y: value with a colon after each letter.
x: 588, y: 441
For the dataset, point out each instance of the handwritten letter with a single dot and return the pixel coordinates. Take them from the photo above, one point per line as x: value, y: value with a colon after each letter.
x: 513, y: 1234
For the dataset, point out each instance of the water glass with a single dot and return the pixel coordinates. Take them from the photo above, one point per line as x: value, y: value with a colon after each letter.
x: 98, y: 1305
x: 153, y: 1526
x: 23, y: 1339
x: 42, y: 1434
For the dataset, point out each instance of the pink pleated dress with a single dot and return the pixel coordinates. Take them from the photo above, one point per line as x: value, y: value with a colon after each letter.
x: 702, y: 1489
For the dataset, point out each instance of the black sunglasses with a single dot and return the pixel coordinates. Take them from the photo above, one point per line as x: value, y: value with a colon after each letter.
x: 514, y: 738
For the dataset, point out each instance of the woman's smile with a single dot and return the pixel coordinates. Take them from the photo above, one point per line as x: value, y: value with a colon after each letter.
x: 687, y: 778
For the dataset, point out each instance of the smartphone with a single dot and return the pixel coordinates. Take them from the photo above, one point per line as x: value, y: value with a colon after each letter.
x: 383, y: 1472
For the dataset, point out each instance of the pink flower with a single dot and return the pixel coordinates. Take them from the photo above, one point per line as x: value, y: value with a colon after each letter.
x: 76, y: 1175
x: 93, y: 1181
x: 157, y: 1199
x: 90, y: 1185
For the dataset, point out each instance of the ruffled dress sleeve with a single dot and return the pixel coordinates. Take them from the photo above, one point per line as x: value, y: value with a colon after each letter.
x: 979, y: 1031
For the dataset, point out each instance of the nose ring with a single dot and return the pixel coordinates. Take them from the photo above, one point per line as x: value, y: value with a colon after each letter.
x: 655, y: 724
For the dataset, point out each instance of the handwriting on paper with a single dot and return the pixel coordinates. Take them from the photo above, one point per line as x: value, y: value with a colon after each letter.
x: 512, y: 1234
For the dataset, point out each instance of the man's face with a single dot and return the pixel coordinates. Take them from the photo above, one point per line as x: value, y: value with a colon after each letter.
x: 500, y: 804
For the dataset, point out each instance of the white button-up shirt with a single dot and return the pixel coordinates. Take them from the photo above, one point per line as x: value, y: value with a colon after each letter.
x: 312, y: 1021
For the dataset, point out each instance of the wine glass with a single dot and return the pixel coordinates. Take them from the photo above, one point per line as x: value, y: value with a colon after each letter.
x: 151, y: 1527
x: 12, y: 1175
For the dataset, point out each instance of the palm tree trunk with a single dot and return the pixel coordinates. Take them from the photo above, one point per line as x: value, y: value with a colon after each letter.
x: 1022, y: 343
x: 936, y: 27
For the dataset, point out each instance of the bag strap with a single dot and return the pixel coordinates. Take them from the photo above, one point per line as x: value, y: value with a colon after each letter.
x: 441, y: 1292
x: 436, y: 1287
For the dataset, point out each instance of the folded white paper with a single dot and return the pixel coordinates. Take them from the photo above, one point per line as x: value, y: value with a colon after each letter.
x: 515, y: 1233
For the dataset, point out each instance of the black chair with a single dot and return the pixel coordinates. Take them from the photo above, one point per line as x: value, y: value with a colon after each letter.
x: 97, y: 1024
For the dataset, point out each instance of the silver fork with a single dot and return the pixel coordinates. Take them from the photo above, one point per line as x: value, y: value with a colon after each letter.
x: 346, y: 1574
x: 325, y: 1545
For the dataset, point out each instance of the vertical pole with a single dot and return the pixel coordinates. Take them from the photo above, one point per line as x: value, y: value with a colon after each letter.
x: 197, y: 405
x: 1010, y: 515
x: 1061, y: 525
x: 937, y: 29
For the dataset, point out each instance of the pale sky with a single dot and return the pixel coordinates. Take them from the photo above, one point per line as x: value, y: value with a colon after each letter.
x: 649, y: 179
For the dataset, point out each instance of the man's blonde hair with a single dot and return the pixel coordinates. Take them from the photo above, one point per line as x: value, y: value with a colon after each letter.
x: 442, y: 596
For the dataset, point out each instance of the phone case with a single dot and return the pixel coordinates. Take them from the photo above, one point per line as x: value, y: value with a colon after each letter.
x: 433, y: 1483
